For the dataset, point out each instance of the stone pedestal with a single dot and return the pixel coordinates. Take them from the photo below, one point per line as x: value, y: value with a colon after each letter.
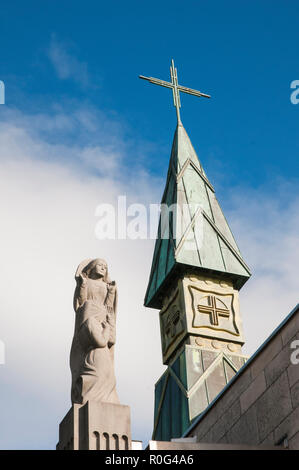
x: 96, y: 426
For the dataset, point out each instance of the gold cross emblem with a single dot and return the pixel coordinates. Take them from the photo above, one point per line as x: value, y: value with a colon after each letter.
x: 212, y: 310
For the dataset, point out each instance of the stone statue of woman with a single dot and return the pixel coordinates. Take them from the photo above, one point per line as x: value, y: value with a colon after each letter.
x: 92, y: 351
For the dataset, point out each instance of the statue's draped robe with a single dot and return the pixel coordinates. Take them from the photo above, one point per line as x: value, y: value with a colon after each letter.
x: 92, y: 362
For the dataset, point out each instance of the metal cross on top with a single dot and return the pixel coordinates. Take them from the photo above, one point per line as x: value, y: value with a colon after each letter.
x: 176, y: 88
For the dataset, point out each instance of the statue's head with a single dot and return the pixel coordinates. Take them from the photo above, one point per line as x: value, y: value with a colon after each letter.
x: 97, y: 268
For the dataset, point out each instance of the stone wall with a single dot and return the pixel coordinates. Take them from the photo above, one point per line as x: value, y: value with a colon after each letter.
x: 261, y: 403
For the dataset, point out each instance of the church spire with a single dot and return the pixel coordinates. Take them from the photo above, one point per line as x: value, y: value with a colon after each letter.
x: 197, y: 272
x: 203, y: 239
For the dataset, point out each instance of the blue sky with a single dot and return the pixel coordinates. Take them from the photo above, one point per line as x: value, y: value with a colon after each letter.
x: 242, y: 53
x: 79, y: 128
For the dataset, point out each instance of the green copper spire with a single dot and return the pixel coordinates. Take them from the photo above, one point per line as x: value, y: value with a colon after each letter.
x: 197, y: 271
x: 203, y: 241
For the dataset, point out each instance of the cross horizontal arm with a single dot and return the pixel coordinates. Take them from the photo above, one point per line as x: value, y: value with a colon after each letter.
x: 157, y: 81
x: 184, y: 89
x: 190, y: 91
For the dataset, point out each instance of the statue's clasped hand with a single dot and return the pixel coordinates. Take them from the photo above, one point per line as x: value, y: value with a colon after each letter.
x: 111, y: 287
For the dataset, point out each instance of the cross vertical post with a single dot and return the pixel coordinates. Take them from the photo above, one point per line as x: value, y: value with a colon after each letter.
x: 175, y: 91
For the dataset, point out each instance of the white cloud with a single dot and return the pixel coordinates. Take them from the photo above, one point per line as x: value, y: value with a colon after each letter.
x: 66, y: 65
x: 48, y: 212
x: 49, y: 191
x: 267, y: 227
